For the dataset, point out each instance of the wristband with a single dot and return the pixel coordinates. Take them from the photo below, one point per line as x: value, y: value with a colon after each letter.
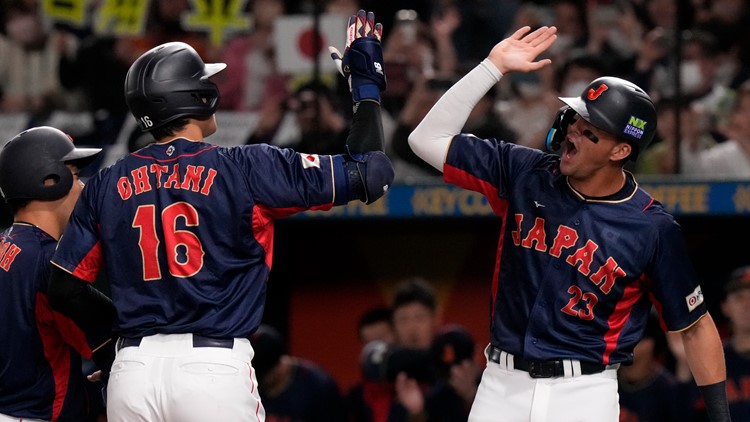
x: 717, y: 406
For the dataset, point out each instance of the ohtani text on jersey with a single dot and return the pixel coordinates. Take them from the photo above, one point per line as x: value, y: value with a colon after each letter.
x: 146, y: 178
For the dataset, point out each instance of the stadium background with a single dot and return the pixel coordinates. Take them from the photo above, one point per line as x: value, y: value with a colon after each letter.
x: 329, y: 268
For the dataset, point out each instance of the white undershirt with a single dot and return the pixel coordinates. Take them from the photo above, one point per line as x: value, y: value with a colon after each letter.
x: 432, y: 137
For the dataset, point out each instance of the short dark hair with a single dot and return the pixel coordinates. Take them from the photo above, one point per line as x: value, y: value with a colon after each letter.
x: 169, y: 129
x: 414, y: 290
x: 374, y: 315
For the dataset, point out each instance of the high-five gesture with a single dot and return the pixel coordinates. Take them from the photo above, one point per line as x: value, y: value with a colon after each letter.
x: 362, y: 61
x: 518, y: 52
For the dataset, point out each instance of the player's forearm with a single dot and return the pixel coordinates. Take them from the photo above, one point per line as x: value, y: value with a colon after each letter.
x: 704, y: 351
x: 431, y: 138
x: 366, y: 132
x: 90, y: 309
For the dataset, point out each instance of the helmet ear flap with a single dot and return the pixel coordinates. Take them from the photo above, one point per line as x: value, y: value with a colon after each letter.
x: 556, y: 134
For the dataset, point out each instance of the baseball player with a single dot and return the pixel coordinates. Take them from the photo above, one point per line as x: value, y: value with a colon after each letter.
x: 184, y: 232
x: 40, y: 349
x: 584, y: 252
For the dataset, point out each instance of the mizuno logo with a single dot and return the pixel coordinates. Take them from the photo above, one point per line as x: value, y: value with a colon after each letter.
x: 538, y: 205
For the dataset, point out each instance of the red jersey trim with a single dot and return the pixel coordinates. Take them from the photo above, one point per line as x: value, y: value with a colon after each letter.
x: 620, y: 317
x: 499, y: 206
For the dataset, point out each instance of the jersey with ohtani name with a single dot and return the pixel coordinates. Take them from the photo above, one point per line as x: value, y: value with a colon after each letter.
x: 40, y: 350
x: 185, y: 231
x: 575, y: 277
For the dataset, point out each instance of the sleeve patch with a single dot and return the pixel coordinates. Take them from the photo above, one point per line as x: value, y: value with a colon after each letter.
x: 694, y: 299
x: 310, y: 160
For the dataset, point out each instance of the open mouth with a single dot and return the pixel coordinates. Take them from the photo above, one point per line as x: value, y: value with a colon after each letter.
x: 570, y: 149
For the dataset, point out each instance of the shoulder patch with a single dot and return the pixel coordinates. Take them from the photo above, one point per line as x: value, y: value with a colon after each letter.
x: 694, y: 299
x: 310, y: 160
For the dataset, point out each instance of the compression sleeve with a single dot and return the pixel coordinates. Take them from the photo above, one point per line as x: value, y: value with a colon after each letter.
x: 89, y: 308
x: 366, y: 133
x: 432, y: 137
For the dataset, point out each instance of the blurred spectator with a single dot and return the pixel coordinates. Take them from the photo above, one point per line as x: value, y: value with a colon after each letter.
x: 615, y: 35
x: 453, y: 354
x: 571, y: 19
x: 251, y: 80
x: 531, y: 107
x: 484, y: 121
x: 660, y: 156
x: 699, y: 78
x: 576, y: 73
x: 98, y: 67
x: 397, y: 376
x: 413, y: 51
x: 482, y: 24
x: 374, y: 330
x: 415, y: 313
x: 310, y: 120
x: 730, y: 159
x: 164, y: 24
x: 648, y: 391
x: 737, y: 349
x: 291, y: 388
x: 29, y: 80
x: 375, y: 324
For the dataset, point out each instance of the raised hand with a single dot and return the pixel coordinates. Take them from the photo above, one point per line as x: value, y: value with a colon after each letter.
x: 518, y: 52
x: 362, y: 60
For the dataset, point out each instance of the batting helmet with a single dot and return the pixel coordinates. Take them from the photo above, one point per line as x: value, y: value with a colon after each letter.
x: 618, y: 107
x: 36, y: 155
x: 168, y: 82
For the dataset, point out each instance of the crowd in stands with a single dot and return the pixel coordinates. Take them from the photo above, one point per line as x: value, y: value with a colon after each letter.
x: 685, y: 53
x: 58, y: 74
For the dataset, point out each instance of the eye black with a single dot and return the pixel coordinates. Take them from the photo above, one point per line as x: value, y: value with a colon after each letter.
x: 593, y: 138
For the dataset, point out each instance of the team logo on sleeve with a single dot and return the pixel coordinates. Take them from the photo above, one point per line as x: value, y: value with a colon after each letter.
x: 310, y: 161
x: 694, y: 299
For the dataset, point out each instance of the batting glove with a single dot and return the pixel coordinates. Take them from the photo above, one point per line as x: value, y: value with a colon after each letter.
x: 362, y: 61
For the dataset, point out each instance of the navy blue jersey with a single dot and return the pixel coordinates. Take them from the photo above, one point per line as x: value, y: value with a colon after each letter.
x: 575, y: 277
x: 185, y: 231
x: 40, y: 350
x: 312, y: 395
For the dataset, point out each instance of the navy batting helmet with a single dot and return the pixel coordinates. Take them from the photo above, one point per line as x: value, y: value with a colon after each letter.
x: 168, y: 82
x: 36, y: 155
x: 618, y: 107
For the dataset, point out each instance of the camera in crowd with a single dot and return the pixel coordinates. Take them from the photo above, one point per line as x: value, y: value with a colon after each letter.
x: 382, y: 362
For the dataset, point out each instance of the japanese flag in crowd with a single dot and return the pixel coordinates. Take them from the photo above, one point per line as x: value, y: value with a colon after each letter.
x: 294, y: 38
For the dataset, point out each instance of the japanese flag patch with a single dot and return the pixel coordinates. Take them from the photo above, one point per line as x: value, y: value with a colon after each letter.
x: 694, y: 299
x: 310, y: 161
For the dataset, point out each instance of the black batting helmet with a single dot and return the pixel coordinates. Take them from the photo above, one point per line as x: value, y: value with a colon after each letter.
x: 168, y: 82
x: 618, y: 107
x: 36, y: 155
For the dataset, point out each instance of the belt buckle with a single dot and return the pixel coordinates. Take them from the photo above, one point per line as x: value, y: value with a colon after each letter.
x: 540, y: 370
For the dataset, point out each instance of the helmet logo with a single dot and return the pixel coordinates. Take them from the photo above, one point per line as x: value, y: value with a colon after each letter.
x: 594, y: 94
x: 635, y: 127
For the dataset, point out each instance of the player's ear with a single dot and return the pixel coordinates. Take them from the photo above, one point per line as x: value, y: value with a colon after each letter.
x: 621, y: 151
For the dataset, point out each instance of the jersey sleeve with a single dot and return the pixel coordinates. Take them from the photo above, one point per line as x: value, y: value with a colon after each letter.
x: 489, y: 166
x: 79, y: 250
x: 288, y: 182
x: 674, y: 285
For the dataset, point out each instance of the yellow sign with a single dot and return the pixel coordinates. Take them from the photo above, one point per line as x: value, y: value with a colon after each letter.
x: 121, y: 17
x: 70, y: 11
x: 217, y: 17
